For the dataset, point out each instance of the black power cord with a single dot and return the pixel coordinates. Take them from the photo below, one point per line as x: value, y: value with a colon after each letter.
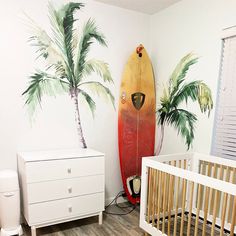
x: 120, y: 194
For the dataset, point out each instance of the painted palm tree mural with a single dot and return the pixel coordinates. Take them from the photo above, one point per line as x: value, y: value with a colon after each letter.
x: 178, y: 91
x: 67, y: 67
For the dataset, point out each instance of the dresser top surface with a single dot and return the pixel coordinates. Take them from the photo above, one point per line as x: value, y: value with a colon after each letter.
x: 58, y: 154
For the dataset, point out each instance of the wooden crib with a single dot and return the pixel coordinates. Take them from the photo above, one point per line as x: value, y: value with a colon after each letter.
x: 188, y: 194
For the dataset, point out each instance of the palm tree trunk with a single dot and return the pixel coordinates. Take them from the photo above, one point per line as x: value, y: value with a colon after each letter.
x: 160, y: 139
x: 74, y: 96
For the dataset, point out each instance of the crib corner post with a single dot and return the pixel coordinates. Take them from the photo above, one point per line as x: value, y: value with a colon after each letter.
x: 143, y: 199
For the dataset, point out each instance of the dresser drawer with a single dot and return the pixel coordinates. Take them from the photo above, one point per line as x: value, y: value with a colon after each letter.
x: 59, y: 189
x: 66, y: 208
x: 39, y: 171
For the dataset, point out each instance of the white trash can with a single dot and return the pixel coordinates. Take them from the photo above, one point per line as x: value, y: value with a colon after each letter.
x: 9, y: 203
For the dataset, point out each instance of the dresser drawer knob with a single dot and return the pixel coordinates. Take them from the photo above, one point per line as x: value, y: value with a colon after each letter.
x: 70, y: 190
x: 69, y: 170
x: 70, y: 208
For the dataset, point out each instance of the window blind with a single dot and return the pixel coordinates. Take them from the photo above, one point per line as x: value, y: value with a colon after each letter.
x: 224, y: 134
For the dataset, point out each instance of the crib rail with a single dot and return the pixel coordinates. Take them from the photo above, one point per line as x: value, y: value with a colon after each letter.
x: 182, y: 196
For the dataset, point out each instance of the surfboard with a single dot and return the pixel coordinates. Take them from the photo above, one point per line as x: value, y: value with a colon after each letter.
x: 136, y: 120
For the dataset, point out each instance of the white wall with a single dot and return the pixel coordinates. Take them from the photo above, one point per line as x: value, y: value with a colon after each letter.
x: 54, y: 126
x: 191, y: 26
x: 184, y: 27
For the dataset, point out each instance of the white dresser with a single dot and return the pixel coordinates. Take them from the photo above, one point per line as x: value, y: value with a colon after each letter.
x: 61, y: 185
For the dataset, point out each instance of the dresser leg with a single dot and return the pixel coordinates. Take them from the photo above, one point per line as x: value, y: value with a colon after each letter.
x: 100, y: 218
x: 33, y: 231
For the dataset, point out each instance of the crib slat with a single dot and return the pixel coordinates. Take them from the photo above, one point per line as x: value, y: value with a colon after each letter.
x: 206, y: 203
x: 183, y: 207
x: 214, y: 213
x: 221, y: 177
x: 176, y: 206
x: 159, y: 199
x: 231, y: 196
x: 216, y: 200
x: 156, y: 193
x: 198, y: 209
x: 170, y: 202
x: 212, y: 190
x: 183, y: 203
x: 149, y: 194
x: 164, y: 202
x: 223, y: 214
x: 176, y: 203
x: 224, y: 204
x: 233, y: 218
x: 153, y: 196
x: 190, y: 209
x: 199, y: 196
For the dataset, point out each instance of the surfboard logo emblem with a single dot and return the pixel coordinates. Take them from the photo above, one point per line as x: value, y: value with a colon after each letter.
x: 138, y: 100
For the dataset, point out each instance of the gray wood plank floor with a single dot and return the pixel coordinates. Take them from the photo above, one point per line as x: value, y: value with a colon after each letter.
x: 126, y: 225
x: 113, y: 225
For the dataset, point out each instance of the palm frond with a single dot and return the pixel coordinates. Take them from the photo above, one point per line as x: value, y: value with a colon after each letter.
x: 47, y: 49
x: 183, y: 121
x: 99, y: 89
x: 161, y: 115
x: 44, y: 44
x: 60, y: 70
x: 62, y: 26
x: 189, y: 90
x: 165, y: 107
x: 89, y: 100
x: 180, y: 72
x: 196, y: 91
x: 67, y: 20
x: 100, y: 67
x: 57, y: 29
x: 165, y: 98
x: 205, y: 98
x: 41, y: 41
x: 41, y: 84
x: 90, y: 33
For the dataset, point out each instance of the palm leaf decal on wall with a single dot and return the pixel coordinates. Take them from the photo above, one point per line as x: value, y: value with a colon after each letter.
x: 67, y: 67
x: 177, y: 92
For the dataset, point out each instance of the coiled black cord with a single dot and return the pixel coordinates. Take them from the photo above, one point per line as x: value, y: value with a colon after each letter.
x: 120, y: 194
